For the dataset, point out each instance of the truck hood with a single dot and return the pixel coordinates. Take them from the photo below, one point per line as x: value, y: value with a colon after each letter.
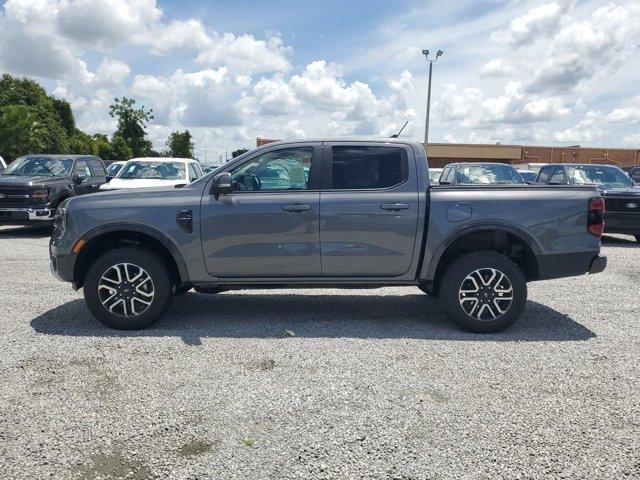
x: 120, y: 183
x: 37, y: 182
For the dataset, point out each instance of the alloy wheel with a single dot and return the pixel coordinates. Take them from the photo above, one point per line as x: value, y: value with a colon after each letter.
x: 485, y: 294
x: 126, y: 290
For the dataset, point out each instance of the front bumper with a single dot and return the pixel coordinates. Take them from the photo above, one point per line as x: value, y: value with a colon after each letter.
x: 25, y: 216
x: 61, y: 264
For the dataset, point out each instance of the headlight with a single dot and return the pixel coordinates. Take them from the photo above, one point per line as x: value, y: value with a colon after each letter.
x: 59, y: 223
x: 40, y: 195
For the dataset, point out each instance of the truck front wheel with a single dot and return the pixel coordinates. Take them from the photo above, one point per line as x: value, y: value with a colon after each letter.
x: 128, y: 288
x: 483, y: 292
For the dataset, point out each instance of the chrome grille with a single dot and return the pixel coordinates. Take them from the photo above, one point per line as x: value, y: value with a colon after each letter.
x: 14, y: 197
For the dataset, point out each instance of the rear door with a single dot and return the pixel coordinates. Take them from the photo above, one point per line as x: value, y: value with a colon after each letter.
x: 368, y: 209
x: 98, y: 172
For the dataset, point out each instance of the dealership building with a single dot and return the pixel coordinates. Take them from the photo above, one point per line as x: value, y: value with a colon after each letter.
x: 441, y: 154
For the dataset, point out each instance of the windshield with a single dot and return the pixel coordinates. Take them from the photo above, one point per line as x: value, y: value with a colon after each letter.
x: 39, y: 166
x: 528, y: 176
x: 153, y: 170
x: 611, y: 177
x: 113, y: 169
x: 488, y: 175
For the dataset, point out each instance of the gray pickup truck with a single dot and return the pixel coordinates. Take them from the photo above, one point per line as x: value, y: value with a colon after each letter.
x: 335, y: 214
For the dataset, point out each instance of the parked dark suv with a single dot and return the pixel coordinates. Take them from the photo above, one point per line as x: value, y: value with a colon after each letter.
x: 32, y: 187
x: 621, y: 194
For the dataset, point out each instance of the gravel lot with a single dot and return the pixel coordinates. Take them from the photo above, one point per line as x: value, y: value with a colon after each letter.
x: 373, y: 384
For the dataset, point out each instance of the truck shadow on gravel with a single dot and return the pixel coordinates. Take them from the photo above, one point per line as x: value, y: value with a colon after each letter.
x: 255, y: 315
x: 619, y: 242
x: 24, y: 232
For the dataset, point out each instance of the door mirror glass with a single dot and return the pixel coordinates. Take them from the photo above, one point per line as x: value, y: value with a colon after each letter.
x: 222, y: 184
x: 78, y: 179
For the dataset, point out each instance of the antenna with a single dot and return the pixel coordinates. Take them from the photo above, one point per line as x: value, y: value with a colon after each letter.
x: 396, y: 135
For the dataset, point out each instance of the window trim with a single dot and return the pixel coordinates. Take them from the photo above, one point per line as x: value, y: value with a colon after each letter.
x: 327, y: 165
x: 78, y: 160
x: 564, y: 175
x: 314, y: 170
x: 542, y: 170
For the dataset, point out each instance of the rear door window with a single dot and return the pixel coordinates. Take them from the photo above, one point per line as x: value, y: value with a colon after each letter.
x: 193, y: 173
x: 545, y: 174
x: 360, y: 167
x: 97, y: 168
x: 558, y: 176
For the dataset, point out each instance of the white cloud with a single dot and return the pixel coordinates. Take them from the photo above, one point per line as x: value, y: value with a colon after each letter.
x: 206, y: 98
x: 474, y: 110
x: 581, y: 50
x: 587, y: 130
x: 537, y: 22
x: 496, y: 68
x: 629, y: 114
x: 97, y: 21
x: 111, y: 72
x: 245, y: 53
x: 274, y: 96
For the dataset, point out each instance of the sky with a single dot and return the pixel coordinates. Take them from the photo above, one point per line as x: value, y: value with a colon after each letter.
x: 562, y: 72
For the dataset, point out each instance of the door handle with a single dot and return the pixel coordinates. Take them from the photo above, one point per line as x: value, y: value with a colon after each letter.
x: 394, y: 207
x: 95, y: 185
x: 296, y: 207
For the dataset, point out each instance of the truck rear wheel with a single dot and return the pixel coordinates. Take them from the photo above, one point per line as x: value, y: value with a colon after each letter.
x: 128, y: 288
x: 483, y: 292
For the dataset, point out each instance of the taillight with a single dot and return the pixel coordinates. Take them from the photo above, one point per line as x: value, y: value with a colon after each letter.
x: 595, y: 222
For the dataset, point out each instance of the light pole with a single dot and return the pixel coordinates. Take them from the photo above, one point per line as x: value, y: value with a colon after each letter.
x: 431, y: 62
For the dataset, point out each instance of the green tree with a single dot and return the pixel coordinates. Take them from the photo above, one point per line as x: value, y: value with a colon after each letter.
x: 30, y: 129
x: 120, y: 149
x: 132, y: 122
x: 237, y: 153
x: 181, y: 145
x: 82, y: 143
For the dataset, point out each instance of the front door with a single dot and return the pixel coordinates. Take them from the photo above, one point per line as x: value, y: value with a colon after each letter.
x: 368, y: 210
x: 81, y: 168
x: 269, y: 225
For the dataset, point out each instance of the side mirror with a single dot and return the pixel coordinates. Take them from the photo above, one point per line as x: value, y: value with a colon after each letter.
x: 222, y: 184
x: 77, y: 179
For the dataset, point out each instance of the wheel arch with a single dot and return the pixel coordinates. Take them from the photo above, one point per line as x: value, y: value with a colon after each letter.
x: 488, y: 236
x: 106, y: 237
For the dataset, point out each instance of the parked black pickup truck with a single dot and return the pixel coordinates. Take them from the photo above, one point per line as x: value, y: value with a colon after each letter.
x: 621, y: 194
x: 32, y: 187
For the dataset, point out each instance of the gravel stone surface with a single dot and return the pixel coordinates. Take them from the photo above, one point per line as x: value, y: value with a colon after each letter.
x: 314, y: 384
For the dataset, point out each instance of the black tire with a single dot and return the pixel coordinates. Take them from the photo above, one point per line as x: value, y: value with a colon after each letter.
x: 161, y: 285
x: 482, y: 263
